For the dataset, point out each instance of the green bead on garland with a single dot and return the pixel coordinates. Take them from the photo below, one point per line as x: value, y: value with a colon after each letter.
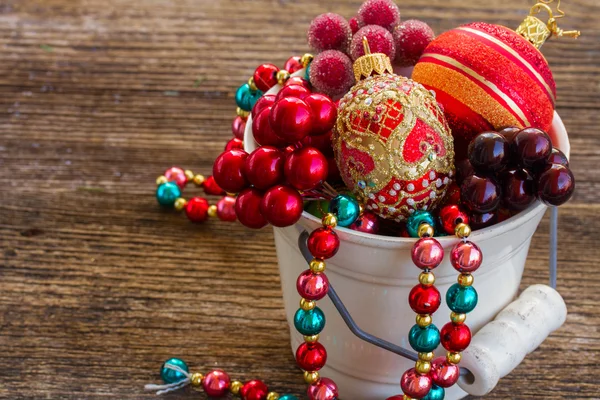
x: 461, y: 299
x: 167, y: 193
x: 424, y: 339
x: 309, y: 322
x: 345, y: 208
x: 416, y: 219
x: 171, y: 376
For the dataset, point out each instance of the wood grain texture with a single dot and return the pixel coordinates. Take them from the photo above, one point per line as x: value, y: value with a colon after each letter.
x: 98, y: 286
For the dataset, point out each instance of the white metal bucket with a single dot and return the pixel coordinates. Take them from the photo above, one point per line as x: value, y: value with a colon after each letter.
x: 373, y: 276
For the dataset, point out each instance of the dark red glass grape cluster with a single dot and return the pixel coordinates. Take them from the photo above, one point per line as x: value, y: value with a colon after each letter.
x: 507, y: 171
x: 291, y: 128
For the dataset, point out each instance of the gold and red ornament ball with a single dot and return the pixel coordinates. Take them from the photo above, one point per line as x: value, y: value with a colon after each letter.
x: 487, y: 77
x: 392, y: 144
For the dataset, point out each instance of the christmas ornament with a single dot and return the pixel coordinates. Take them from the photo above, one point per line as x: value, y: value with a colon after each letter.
x: 487, y: 77
x: 391, y: 142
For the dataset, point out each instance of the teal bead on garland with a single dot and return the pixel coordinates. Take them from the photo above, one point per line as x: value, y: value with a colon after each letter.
x: 167, y: 193
x: 345, y: 208
x: 461, y: 299
x: 307, y: 73
x: 309, y: 322
x: 435, y: 393
x: 245, y: 97
x: 288, y: 397
x: 424, y: 339
x: 171, y: 376
x: 416, y: 219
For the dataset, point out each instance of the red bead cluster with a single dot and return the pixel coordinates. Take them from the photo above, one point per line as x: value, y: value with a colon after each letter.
x: 286, y: 126
x: 338, y: 42
x: 506, y: 171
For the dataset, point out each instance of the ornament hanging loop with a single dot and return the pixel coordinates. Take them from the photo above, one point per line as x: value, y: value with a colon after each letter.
x: 536, y: 31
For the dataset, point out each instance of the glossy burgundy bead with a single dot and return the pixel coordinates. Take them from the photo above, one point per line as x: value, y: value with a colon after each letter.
x: 558, y: 157
x: 480, y: 221
x: 427, y: 253
x: 509, y: 133
x: 424, y: 299
x: 177, y: 175
x: 196, y: 209
x: 489, y: 152
x: 443, y: 373
x: 480, y: 194
x: 282, y: 206
x: 464, y: 169
x: 414, y: 384
x: 254, y: 390
x: 322, y: 143
x: 234, y: 143
x: 295, y: 91
x: 450, y: 216
x: 226, y: 209
x: 291, y: 119
x: 238, y: 127
x: 556, y: 185
x: 247, y: 208
x: 293, y: 64
x: 297, y: 80
x: 228, y: 170
x: 312, y: 286
x: 518, y: 189
x: 306, y: 168
x: 265, y: 76
x: 532, y: 147
x: 466, y: 257
x: 455, y: 337
x: 216, y: 383
x: 265, y: 101
x: 324, y: 113
x: 211, y: 187
x: 311, y: 356
x: 323, y: 243
x: 367, y: 222
x: 264, y: 167
x: 323, y: 389
x: 262, y: 131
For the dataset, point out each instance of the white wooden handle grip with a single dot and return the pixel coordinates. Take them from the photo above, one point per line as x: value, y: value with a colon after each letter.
x: 501, y: 345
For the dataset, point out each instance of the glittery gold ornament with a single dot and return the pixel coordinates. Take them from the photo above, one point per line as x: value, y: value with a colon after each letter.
x: 392, y: 144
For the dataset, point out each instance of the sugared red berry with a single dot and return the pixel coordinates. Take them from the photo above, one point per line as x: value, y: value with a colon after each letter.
x: 228, y: 170
x: 380, y: 41
x: 262, y: 131
x: 247, y: 208
x: 331, y: 73
x: 329, y: 32
x: 480, y: 194
x: 518, y: 189
x: 354, y: 24
x: 264, y: 167
x: 488, y: 152
x: 533, y: 147
x: 384, y: 13
x: 324, y: 113
x: 556, y: 185
x: 410, y: 39
x: 306, y: 168
x: 291, y: 119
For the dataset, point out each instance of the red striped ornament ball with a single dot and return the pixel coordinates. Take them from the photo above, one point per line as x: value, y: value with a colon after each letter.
x: 487, y: 77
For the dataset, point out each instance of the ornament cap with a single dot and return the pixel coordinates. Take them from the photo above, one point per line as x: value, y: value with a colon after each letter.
x: 370, y: 63
x: 537, y: 31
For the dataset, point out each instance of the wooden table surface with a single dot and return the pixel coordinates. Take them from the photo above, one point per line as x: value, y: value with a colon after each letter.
x: 98, y: 286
